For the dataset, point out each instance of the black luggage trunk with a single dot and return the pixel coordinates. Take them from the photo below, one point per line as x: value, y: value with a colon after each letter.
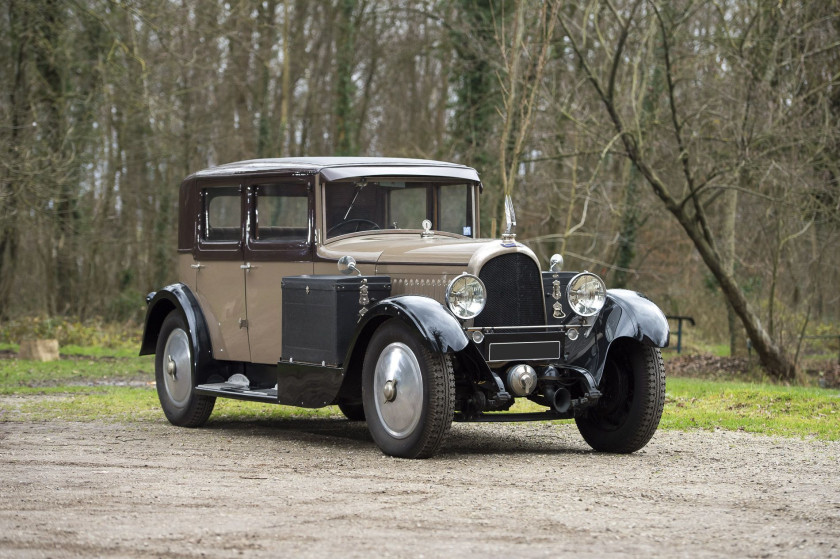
x: 320, y: 314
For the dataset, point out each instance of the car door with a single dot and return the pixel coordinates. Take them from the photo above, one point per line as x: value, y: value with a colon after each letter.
x: 279, y: 243
x: 220, y: 277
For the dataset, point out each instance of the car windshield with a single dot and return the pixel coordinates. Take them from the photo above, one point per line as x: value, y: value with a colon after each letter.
x: 398, y: 204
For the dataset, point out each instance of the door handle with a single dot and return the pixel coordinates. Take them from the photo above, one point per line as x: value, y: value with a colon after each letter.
x: 196, y: 266
x: 247, y: 266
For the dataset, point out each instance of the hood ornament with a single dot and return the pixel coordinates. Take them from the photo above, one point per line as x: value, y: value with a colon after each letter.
x: 556, y: 263
x: 509, y: 234
x: 427, y: 229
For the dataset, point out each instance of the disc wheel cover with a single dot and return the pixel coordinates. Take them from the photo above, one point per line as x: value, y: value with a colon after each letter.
x: 177, y: 367
x: 398, y: 365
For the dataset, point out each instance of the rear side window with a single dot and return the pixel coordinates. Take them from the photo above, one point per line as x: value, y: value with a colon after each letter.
x: 222, y: 213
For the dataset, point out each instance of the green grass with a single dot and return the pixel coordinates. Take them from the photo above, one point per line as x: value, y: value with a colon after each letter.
x: 739, y: 406
x: 84, y: 351
x: 30, y: 376
x: 755, y: 408
x: 130, y: 404
x: 114, y: 385
x: 87, y: 384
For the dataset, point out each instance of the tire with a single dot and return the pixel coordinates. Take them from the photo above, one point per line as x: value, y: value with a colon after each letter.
x: 175, y: 375
x: 410, y: 418
x: 633, y: 395
x: 353, y: 412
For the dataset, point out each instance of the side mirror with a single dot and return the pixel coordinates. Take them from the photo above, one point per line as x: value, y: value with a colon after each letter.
x: 556, y: 263
x: 347, y: 265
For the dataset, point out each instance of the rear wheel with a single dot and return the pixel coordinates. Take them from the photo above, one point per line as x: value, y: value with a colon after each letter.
x: 628, y: 413
x: 407, y: 392
x: 175, y: 375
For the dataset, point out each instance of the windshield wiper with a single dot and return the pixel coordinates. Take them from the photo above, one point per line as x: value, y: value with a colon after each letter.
x: 359, y: 186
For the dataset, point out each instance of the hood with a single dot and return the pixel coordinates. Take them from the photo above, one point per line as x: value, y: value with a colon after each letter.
x: 403, y: 247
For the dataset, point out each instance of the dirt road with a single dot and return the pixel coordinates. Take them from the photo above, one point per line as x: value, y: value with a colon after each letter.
x: 321, y: 488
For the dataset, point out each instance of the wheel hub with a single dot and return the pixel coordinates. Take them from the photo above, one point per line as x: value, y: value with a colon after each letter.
x: 390, y: 390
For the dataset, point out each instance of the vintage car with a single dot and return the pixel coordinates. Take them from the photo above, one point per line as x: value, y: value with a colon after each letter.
x: 363, y: 282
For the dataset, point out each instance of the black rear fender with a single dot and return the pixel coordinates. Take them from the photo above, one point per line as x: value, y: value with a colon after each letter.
x: 179, y: 297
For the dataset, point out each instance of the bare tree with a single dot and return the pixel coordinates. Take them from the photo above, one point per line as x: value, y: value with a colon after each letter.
x: 690, y: 193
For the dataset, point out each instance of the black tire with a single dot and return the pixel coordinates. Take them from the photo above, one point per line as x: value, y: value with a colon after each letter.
x: 628, y: 413
x: 353, y: 412
x: 173, y: 356
x: 415, y: 422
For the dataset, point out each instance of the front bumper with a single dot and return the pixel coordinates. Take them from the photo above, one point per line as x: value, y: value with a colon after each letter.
x: 529, y: 343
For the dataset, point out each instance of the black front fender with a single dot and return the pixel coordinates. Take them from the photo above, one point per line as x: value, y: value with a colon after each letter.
x: 441, y: 331
x: 626, y: 314
x: 632, y: 315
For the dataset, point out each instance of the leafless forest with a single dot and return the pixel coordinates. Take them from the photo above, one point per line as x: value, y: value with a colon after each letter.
x: 688, y: 149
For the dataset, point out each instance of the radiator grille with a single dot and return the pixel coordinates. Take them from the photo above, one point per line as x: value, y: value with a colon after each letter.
x: 514, y: 292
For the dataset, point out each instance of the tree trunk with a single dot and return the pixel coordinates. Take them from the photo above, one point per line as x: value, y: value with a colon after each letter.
x: 286, y: 82
x: 49, y: 65
x: 345, y: 89
x: 9, y: 236
x: 737, y: 340
x: 266, y: 138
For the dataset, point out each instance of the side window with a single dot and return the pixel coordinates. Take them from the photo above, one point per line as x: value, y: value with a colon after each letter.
x: 222, y: 215
x: 455, y: 209
x: 281, y: 213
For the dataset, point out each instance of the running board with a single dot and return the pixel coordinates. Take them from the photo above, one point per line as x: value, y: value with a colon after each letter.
x: 237, y: 392
x: 510, y: 417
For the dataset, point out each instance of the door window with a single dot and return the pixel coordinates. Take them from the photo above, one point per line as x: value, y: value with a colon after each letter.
x: 280, y: 222
x: 282, y: 213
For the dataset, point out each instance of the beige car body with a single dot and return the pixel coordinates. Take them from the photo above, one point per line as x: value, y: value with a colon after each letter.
x: 429, y: 323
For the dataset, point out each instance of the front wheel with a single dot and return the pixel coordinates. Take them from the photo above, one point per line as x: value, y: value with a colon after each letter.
x: 633, y: 395
x: 354, y: 411
x: 175, y: 375
x: 407, y: 392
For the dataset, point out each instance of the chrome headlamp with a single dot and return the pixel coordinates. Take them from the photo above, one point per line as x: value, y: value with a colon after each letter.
x: 466, y: 296
x: 586, y: 293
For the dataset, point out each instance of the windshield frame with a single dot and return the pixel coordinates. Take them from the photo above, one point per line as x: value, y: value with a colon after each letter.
x: 361, y: 184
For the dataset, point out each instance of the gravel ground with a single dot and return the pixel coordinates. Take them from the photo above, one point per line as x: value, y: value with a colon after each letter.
x: 303, y: 487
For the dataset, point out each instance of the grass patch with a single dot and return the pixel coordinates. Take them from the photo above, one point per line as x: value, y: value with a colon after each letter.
x: 129, y: 404
x: 102, y: 403
x: 755, y: 408
x: 741, y: 406
x: 92, y: 333
x: 230, y: 410
x: 102, y: 352
x: 16, y: 374
x: 115, y: 385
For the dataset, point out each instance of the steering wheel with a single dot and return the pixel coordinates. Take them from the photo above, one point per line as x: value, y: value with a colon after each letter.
x: 359, y: 221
